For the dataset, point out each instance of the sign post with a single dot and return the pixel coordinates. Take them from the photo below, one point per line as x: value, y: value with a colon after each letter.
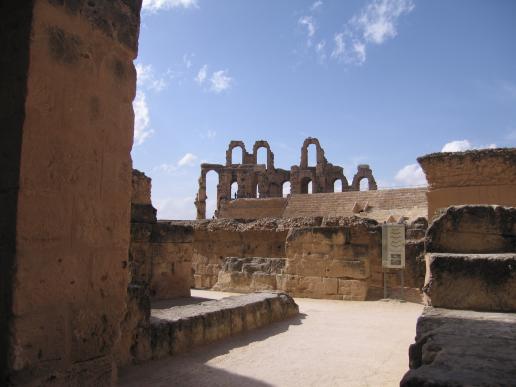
x: 393, y: 253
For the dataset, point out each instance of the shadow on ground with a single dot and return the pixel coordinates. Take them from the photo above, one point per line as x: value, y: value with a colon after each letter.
x: 190, y: 368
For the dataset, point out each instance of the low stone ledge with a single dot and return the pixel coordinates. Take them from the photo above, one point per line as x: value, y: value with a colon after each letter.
x: 462, y: 348
x: 471, y: 281
x: 180, y: 328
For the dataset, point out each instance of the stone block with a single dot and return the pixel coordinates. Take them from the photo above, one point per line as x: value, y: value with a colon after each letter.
x: 473, y: 229
x: 263, y: 281
x: 471, y: 281
x: 353, y: 290
x: 339, y: 268
x: 462, y: 348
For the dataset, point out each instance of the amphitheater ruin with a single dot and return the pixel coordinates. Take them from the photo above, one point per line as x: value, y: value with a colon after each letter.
x: 96, y: 291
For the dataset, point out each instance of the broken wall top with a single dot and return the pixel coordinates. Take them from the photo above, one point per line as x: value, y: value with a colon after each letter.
x: 471, y: 168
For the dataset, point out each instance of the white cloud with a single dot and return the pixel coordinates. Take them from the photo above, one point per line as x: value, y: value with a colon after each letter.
x: 187, y: 160
x: 457, y: 146
x: 308, y: 22
x: 320, y: 50
x: 201, y: 75
x: 187, y: 60
x: 375, y: 23
x: 141, y: 119
x: 316, y: 5
x: 463, y: 145
x: 220, y: 81
x: 340, y: 46
x: 411, y: 175
x: 180, y: 208
x: 146, y: 78
x: 158, y: 5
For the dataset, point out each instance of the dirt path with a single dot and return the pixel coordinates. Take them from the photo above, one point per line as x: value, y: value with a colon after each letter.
x: 332, y: 343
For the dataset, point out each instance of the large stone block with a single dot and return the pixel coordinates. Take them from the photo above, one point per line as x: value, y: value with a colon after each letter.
x: 339, y: 268
x: 462, y: 348
x: 472, y: 281
x: 473, y: 229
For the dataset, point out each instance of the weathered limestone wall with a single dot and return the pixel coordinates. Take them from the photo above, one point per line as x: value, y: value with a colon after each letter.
x: 464, y: 337
x: 171, y: 261
x: 471, y: 259
x: 252, y: 208
x: 217, y: 239
x: 485, y: 176
x: 73, y: 184
x: 134, y: 343
x: 335, y: 258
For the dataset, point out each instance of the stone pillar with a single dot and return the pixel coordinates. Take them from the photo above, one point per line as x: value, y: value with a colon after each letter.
x: 68, y: 83
x: 486, y: 176
x: 200, y: 200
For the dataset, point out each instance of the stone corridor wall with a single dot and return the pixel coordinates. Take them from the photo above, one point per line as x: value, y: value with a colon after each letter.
x: 73, y: 128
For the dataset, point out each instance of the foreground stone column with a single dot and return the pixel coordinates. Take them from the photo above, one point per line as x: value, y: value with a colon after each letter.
x: 68, y: 82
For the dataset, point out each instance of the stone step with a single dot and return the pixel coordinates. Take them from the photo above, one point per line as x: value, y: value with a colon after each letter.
x: 181, y: 328
x: 463, y: 348
x: 471, y: 281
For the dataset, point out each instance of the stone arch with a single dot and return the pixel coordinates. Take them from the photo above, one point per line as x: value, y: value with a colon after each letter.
x: 229, y: 152
x: 283, y: 188
x: 270, y: 156
x: 364, y: 172
x: 200, y: 199
x: 304, y: 152
x: 305, y: 182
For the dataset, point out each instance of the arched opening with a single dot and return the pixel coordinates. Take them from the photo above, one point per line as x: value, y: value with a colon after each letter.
x: 337, y: 185
x: 212, y: 180
x: 306, y: 186
x: 312, y: 155
x: 257, y: 191
x: 237, y: 155
x: 261, y: 156
x: 364, y: 185
x: 285, y: 189
x: 234, y: 190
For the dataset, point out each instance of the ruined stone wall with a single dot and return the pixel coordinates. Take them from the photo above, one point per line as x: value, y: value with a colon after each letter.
x: 253, y: 208
x: 215, y: 240
x: 69, y: 272
x: 171, y: 261
x: 259, y: 181
x: 321, y: 255
x: 485, y: 176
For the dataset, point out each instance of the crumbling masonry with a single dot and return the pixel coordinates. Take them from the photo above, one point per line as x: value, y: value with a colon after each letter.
x: 266, y: 181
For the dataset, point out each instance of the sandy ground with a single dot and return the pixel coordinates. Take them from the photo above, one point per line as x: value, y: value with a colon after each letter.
x: 331, y: 343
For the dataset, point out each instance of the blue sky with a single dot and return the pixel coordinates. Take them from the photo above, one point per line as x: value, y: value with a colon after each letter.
x: 378, y: 82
